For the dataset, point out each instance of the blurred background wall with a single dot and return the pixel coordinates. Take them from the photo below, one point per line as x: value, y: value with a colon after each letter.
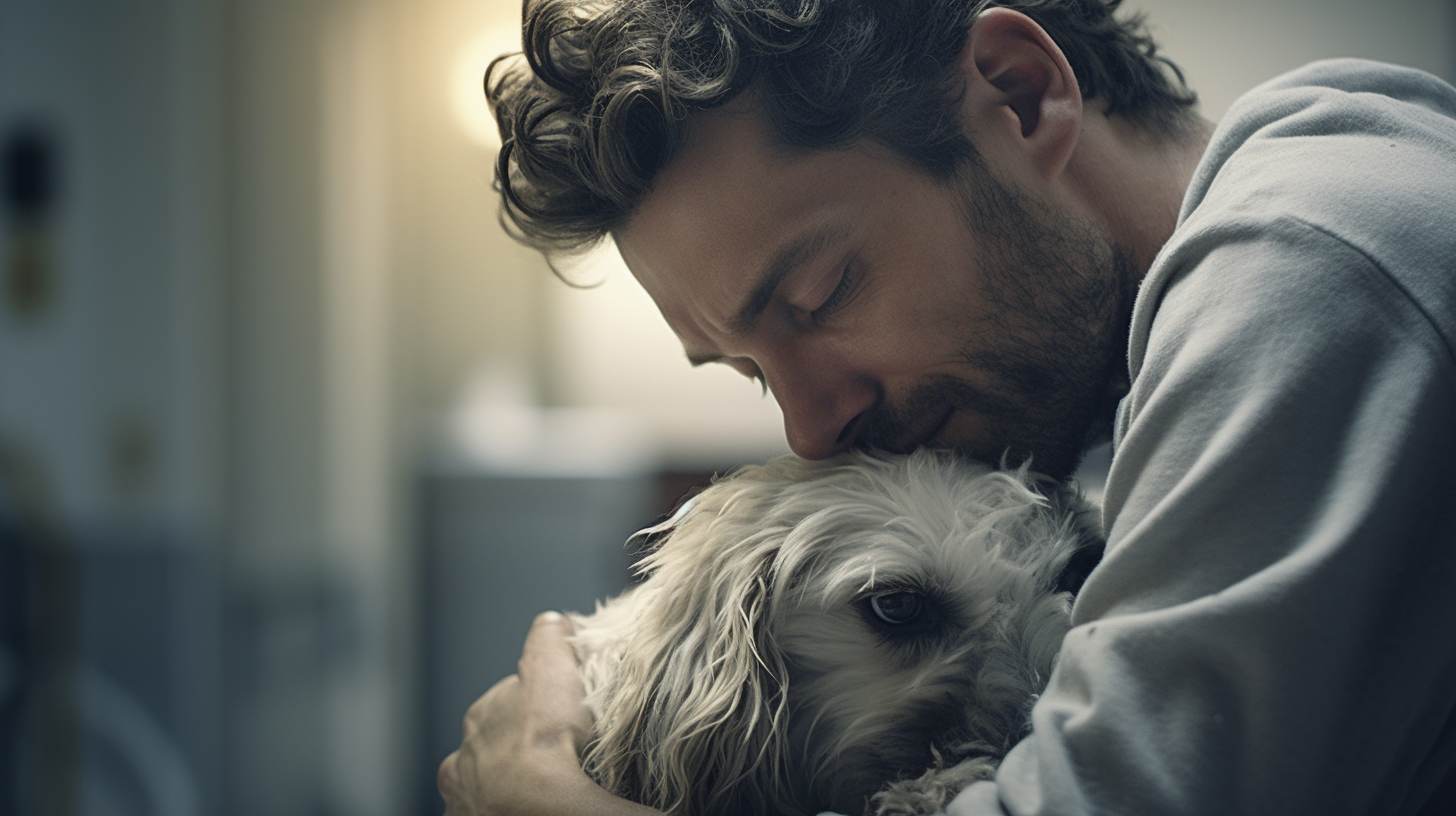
x: 293, y: 439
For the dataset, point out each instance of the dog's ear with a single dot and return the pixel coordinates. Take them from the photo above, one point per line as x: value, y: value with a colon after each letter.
x: 732, y: 758
x: 697, y: 724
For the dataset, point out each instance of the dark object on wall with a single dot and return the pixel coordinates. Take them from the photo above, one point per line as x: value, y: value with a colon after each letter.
x: 30, y: 186
x: 31, y: 172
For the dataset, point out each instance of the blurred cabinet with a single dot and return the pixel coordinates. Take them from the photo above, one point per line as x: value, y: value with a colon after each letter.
x: 499, y: 547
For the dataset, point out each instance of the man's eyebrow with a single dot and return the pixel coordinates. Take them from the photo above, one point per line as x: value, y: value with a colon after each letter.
x: 790, y: 257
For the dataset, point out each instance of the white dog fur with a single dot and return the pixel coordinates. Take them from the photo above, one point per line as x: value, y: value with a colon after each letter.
x: 752, y: 672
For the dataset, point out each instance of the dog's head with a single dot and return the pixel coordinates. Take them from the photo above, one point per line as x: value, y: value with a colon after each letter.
x: 809, y: 631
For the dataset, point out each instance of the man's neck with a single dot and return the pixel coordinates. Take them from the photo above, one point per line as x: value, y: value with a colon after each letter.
x: 1134, y: 180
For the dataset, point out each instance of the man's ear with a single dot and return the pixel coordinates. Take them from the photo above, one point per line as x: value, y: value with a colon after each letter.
x: 1017, y: 79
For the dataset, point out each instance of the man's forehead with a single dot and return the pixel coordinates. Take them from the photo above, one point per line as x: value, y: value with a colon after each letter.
x: 701, y: 222
x: 720, y: 147
x: 734, y: 214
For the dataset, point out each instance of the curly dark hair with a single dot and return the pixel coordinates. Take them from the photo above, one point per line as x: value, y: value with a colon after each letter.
x: 599, y: 104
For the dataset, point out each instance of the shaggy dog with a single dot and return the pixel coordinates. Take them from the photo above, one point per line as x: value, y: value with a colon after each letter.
x: 815, y: 636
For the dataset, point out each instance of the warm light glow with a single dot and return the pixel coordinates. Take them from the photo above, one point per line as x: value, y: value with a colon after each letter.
x: 617, y: 351
x: 467, y: 95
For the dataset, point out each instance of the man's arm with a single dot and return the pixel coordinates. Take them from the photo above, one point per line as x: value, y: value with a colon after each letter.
x: 1259, y: 637
x: 520, y: 753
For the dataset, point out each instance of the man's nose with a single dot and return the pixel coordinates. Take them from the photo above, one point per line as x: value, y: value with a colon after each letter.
x: 824, y: 408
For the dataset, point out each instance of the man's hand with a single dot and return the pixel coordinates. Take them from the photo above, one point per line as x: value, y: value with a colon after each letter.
x: 523, y: 739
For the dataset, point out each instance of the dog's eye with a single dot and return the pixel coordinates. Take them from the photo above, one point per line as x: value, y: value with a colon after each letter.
x: 897, y: 608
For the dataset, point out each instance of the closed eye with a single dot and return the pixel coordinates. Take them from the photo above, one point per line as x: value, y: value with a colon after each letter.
x: 742, y: 365
x: 750, y: 370
x: 843, y: 293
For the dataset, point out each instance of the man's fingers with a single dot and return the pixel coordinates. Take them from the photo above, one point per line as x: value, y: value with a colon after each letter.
x: 551, y: 682
x: 503, y: 698
x: 524, y: 735
x: 547, y: 651
x: 445, y: 777
x: 548, y: 662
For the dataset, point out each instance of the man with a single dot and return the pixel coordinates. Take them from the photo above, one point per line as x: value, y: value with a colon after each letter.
x: 1004, y: 230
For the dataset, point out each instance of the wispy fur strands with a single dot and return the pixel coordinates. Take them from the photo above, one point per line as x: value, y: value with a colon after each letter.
x: 755, y: 669
x: 598, y: 105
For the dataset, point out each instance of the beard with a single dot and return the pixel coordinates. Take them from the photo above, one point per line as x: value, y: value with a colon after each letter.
x: 1048, y: 355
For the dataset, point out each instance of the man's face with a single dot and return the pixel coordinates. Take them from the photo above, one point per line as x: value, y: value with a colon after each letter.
x: 882, y: 308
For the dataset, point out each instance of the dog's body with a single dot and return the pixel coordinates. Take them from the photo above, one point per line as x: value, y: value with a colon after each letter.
x: 816, y: 636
